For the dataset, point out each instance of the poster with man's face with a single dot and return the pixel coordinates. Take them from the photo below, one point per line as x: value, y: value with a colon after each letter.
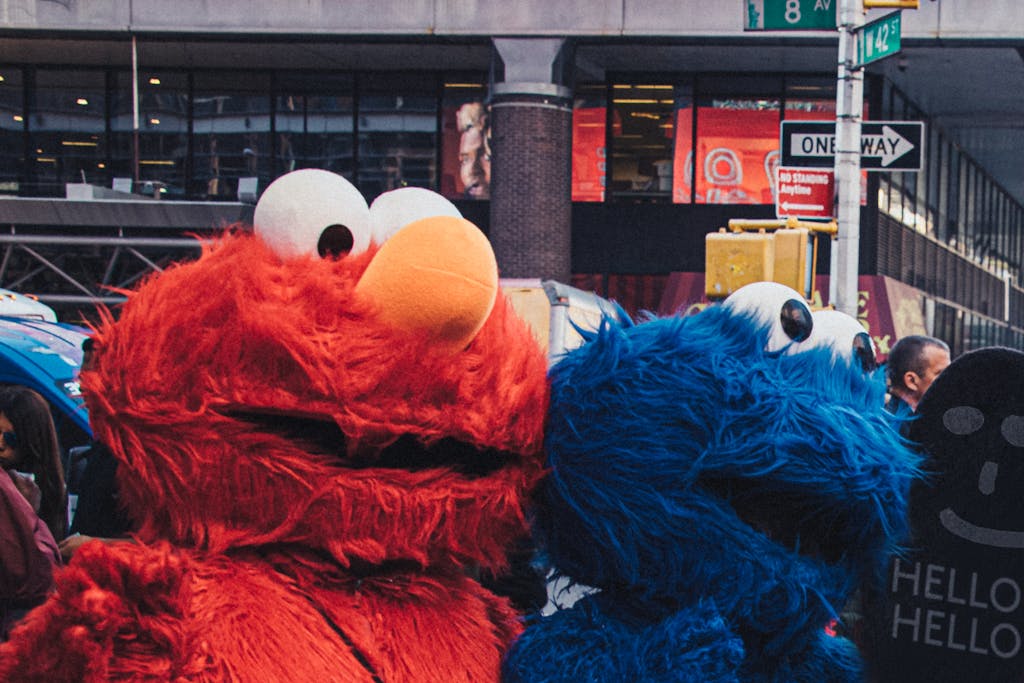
x: 466, y: 151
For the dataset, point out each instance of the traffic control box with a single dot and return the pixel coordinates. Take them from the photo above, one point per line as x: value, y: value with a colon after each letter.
x: 734, y: 259
x: 754, y: 250
x: 792, y: 258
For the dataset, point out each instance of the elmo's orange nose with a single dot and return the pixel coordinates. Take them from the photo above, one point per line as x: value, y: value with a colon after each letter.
x: 437, y: 277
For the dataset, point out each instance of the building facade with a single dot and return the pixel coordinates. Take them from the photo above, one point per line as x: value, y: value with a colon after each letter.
x: 595, y: 142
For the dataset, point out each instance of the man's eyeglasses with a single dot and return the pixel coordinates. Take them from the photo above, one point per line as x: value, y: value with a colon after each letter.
x: 10, y: 439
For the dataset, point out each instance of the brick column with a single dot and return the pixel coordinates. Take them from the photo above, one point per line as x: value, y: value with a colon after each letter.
x: 531, y: 204
x: 531, y: 156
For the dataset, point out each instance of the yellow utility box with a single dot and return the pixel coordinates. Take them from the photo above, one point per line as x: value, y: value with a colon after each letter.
x: 903, y: 4
x: 791, y: 258
x: 781, y: 251
x: 737, y: 259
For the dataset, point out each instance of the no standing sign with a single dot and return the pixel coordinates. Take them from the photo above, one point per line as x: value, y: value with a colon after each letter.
x: 804, y: 193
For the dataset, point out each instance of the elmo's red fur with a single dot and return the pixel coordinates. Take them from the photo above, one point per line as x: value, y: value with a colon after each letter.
x: 262, y: 556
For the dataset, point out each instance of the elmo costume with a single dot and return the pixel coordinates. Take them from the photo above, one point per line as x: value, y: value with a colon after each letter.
x: 320, y: 452
x: 724, y: 481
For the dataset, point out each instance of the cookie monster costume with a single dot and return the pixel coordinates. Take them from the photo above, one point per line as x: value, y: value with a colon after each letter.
x: 320, y: 451
x: 724, y: 481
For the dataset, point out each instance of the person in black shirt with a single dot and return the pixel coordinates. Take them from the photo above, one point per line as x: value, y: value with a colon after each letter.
x: 98, y: 514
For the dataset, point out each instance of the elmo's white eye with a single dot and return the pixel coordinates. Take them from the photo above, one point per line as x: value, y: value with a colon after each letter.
x: 312, y: 211
x: 777, y: 307
x: 845, y: 336
x: 393, y: 210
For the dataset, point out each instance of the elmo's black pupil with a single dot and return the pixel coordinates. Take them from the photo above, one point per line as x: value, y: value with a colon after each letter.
x: 335, y: 241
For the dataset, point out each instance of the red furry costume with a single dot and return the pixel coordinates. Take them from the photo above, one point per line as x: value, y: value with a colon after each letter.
x: 274, y: 547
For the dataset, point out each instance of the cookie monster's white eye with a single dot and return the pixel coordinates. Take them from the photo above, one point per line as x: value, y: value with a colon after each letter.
x: 777, y: 307
x: 844, y: 335
x: 393, y: 210
x: 313, y: 212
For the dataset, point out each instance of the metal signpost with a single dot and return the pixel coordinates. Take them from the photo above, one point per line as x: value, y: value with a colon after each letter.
x: 843, y: 292
x: 886, y: 148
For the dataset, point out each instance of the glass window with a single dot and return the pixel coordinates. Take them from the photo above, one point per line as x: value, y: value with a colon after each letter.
x: 314, y: 123
x: 68, y: 130
x: 163, y: 131
x: 397, y: 134
x: 465, y: 139
x: 589, y: 151
x: 930, y: 175
x: 737, y: 149
x: 954, y: 196
x: 961, y: 204
x: 643, y: 132
x: 942, y: 192
x: 682, y: 179
x: 810, y: 99
x: 12, y: 130
x: 231, y: 125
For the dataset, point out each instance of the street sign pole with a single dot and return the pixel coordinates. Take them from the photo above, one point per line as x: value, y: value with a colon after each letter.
x: 849, y: 107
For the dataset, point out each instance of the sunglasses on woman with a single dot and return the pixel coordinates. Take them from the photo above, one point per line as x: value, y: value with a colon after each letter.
x: 10, y: 439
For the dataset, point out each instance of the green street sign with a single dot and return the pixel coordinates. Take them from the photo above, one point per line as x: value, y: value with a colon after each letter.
x: 878, y: 39
x: 790, y: 15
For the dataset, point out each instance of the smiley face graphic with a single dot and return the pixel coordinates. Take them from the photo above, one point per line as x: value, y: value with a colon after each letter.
x: 952, y: 606
x: 971, y: 425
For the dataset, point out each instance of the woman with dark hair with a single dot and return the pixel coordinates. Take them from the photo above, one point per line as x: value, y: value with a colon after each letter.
x: 28, y: 444
x: 33, y: 507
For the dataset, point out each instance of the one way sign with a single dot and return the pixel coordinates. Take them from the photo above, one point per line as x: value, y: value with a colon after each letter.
x: 884, y: 145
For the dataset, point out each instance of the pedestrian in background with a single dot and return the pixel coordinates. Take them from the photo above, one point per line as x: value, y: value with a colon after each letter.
x: 99, y: 515
x: 914, y: 363
x: 33, y: 503
x: 28, y: 445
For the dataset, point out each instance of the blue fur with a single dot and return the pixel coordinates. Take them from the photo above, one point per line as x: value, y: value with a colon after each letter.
x: 657, y: 434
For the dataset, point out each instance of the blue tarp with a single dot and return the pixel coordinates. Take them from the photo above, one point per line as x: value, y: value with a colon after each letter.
x: 46, y: 357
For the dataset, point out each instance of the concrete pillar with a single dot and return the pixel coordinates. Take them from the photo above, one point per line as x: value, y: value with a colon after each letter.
x: 531, y: 156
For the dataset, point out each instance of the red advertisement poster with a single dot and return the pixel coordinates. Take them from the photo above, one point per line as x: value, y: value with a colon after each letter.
x: 736, y: 156
x: 589, y: 157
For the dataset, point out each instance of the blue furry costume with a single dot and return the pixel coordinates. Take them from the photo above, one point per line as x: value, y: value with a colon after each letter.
x: 724, y: 500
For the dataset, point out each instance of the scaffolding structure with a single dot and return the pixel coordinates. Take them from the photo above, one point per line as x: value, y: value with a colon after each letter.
x: 75, y: 255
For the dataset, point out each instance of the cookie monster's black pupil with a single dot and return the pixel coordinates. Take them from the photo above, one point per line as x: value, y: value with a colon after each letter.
x: 863, y: 352
x: 336, y: 240
x: 796, y: 320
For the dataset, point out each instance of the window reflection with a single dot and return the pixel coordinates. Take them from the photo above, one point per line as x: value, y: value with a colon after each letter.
x: 397, y: 136
x: 231, y: 134
x: 12, y: 126
x: 68, y: 130
x: 163, y: 132
x: 313, y: 122
x: 737, y: 150
x: 643, y: 130
x: 589, y: 153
